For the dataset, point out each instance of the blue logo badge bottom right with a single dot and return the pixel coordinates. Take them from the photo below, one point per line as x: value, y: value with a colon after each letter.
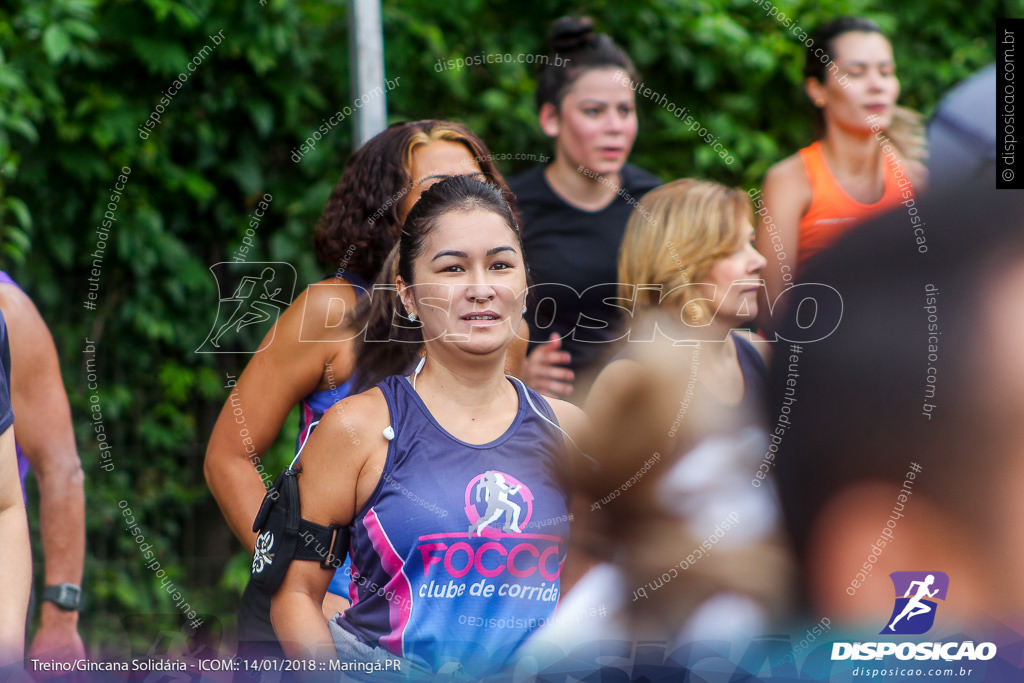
x: 917, y: 596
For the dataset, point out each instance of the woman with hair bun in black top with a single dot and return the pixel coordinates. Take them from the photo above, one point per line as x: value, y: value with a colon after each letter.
x: 575, y: 208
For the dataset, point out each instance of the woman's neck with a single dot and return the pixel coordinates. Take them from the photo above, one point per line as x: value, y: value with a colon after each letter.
x: 716, y: 344
x: 470, y: 385
x: 713, y: 338
x: 852, y: 154
x: 711, y: 355
x: 580, y: 187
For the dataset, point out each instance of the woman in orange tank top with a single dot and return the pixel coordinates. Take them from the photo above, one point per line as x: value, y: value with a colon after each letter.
x: 866, y: 160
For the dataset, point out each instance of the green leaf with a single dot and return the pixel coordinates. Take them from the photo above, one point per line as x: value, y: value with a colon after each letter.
x: 262, y: 115
x: 20, y: 210
x: 56, y: 43
x: 25, y: 127
x: 81, y: 29
x: 199, y: 187
x: 16, y: 243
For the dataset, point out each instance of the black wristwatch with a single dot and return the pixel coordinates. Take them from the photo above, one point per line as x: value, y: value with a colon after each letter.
x: 67, y: 596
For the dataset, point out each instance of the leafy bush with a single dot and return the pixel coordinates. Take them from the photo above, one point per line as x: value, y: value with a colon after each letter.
x: 79, y: 79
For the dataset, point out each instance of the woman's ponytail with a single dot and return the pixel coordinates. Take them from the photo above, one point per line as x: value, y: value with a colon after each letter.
x: 390, y: 342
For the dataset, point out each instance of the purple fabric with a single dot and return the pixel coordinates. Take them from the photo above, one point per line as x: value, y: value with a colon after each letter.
x: 22, y: 460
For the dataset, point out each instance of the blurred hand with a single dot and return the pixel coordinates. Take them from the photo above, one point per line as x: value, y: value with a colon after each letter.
x: 544, y: 371
x: 56, y: 640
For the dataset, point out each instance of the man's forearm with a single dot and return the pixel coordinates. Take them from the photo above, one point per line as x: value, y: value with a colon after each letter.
x: 62, y: 523
x: 62, y: 528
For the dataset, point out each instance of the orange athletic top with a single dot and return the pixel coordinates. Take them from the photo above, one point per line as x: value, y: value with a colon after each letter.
x: 832, y: 211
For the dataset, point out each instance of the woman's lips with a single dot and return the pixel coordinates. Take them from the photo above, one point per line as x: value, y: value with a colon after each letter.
x: 478, y: 318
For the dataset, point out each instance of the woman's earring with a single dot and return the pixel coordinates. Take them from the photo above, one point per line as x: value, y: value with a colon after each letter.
x: 412, y: 317
x: 524, y: 310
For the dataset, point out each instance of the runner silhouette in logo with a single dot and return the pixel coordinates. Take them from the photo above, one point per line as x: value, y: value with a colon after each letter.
x: 496, y: 492
x: 915, y: 606
x: 249, y: 309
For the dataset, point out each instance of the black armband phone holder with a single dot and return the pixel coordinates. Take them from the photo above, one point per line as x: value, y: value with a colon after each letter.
x: 284, y: 536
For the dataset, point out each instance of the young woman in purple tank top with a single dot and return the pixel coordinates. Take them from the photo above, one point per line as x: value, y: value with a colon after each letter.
x: 453, y: 481
x: 309, y: 358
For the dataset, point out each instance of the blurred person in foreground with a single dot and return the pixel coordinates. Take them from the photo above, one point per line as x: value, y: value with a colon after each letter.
x: 16, y: 569
x: 962, y: 135
x: 688, y: 546
x: 920, y: 385
x: 45, y: 441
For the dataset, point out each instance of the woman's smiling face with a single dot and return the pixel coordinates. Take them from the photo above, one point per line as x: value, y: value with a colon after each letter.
x: 469, y: 282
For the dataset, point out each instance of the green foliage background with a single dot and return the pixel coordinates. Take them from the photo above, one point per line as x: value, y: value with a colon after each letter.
x: 78, y: 78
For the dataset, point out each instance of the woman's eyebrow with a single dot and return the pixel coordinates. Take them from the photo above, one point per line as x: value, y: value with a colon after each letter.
x: 449, y: 252
x: 462, y: 254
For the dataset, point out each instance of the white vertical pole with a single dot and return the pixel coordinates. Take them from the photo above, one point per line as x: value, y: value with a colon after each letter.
x: 366, y: 45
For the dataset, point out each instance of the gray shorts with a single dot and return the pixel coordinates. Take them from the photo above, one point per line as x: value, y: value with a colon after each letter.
x: 376, y: 664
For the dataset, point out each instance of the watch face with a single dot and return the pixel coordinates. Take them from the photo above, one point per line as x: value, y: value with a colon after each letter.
x: 66, y: 595
x: 69, y: 595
